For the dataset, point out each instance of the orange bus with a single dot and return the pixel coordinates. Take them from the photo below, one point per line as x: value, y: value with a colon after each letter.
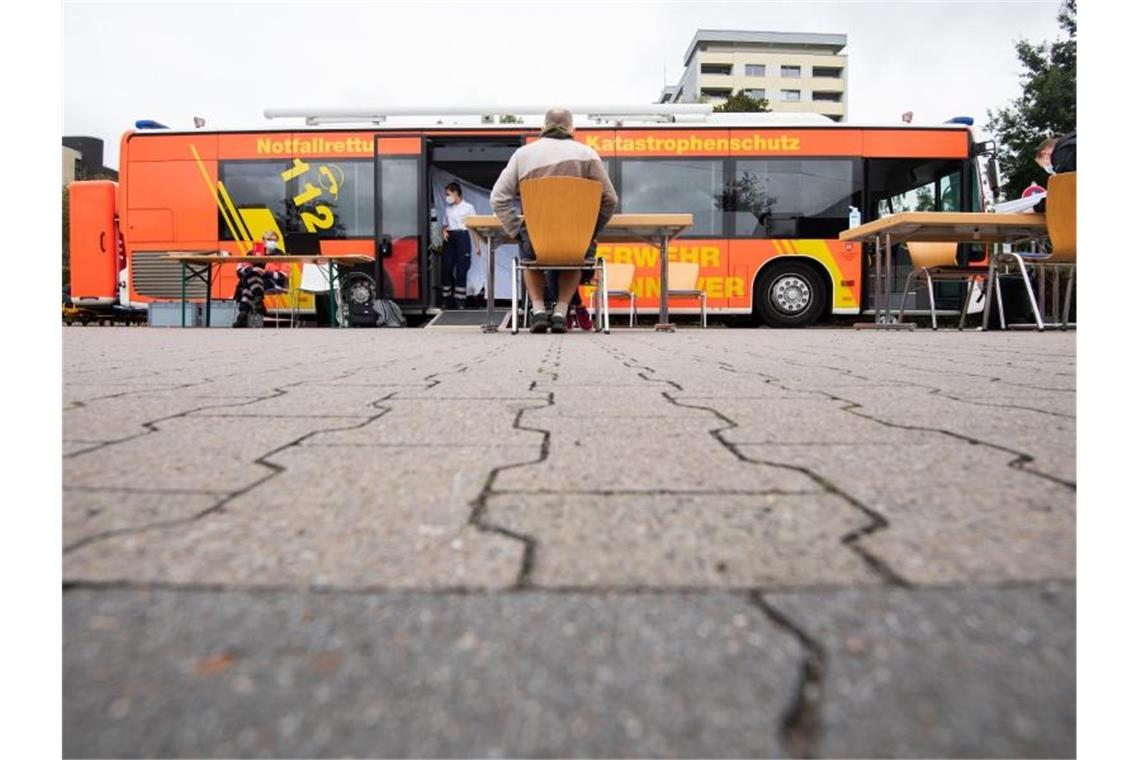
x: 769, y: 194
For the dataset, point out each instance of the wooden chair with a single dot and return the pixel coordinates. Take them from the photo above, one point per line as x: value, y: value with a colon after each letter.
x: 560, y: 215
x: 683, y: 276
x: 939, y: 261
x: 619, y: 284
x: 1061, y: 224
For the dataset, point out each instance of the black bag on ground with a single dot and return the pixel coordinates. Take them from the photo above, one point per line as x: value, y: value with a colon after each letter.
x: 388, y: 314
x: 1018, y: 308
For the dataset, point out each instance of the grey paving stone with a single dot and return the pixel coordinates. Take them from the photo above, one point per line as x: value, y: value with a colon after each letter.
x: 164, y: 673
x: 192, y: 454
x: 690, y: 540
x: 417, y: 422
x: 956, y: 512
x: 943, y: 672
x: 311, y: 401
x: 814, y: 420
x: 1049, y: 440
x: 113, y: 419
x: 94, y: 513
x: 615, y: 463
x: 333, y: 517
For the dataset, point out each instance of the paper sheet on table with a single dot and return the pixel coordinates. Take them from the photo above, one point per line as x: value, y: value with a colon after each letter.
x: 1019, y: 205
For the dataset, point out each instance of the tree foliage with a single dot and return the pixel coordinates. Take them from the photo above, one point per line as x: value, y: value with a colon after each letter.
x: 1047, y: 106
x: 741, y: 102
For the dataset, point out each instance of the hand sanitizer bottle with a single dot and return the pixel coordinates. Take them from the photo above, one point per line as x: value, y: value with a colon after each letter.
x: 854, y: 218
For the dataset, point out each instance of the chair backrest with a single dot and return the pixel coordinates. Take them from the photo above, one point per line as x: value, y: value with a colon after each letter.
x: 683, y: 275
x: 314, y: 278
x: 1061, y: 217
x: 933, y: 254
x: 619, y: 276
x: 561, y: 214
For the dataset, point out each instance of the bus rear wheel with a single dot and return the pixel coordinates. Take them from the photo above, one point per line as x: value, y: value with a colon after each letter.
x: 790, y: 294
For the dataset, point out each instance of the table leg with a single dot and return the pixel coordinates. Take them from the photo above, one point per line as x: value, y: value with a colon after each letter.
x: 882, y: 294
x: 209, y: 287
x: 332, y: 294
x: 663, y: 324
x: 491, y: 326
x: 183, y: 299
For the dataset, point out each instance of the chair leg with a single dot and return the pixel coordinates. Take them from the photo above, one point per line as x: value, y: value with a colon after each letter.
x: 704, y: 310
x: 1000, y: 303
x: 605, y: 298
x: 991, y: 272
x: 930, y: 293
x: 1056, y: 292
x: 965, y: 304
x: 632, y: 307
x: 906, y: 291
x: 1029, y: 292
x: 1068, y: 298
x: 514, y: 297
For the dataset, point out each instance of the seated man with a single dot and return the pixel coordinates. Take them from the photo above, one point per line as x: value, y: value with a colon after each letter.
x: 254, y: 278
x: 555, y: 154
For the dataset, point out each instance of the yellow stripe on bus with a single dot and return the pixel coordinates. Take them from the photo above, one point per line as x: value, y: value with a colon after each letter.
x: 213, y: 194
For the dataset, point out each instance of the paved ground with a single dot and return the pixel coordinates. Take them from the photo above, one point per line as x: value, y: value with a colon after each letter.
x: 424, y: 543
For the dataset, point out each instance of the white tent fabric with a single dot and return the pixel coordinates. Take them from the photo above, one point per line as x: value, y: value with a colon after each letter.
x: 480, y: 198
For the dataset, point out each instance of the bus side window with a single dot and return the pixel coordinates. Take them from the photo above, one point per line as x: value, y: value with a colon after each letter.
x: 252, y: 184
x: 794, y: 198
x: 694, y: 186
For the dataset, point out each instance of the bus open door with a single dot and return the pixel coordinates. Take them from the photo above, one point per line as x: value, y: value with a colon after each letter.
x: 93, y: 244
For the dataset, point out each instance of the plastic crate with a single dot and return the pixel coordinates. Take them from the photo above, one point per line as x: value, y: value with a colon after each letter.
x: 169, y: 314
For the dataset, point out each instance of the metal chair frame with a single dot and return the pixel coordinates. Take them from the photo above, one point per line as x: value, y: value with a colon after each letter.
x: 601, y: 311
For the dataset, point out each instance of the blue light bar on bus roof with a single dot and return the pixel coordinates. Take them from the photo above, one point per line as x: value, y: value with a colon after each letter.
x: 149, y: 124
x: 967, y: 120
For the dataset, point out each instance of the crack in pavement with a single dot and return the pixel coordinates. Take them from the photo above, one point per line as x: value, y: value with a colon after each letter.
x: 478, y: 516
x: 1018, y: 463
x: 801, y: 722
x: 876, y: 521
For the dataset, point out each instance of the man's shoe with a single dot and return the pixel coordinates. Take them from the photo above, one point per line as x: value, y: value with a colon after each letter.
x: 557, y: 322
x: 539, y: 322
x: 242, y: 319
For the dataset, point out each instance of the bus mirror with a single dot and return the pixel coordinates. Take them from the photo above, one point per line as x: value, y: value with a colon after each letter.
x: 386, y: 247
x: 992, y: 175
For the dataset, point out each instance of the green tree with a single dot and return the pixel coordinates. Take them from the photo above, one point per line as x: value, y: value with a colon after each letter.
x: 740, y: 102
x: 510, y: 118
x: 1048, y: 104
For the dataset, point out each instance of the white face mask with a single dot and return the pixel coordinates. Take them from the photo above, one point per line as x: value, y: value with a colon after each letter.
x: 271, y: 245
x: 452, y: 200
x: 1048, y: 168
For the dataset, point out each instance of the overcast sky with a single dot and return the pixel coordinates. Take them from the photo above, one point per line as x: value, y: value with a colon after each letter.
x: 228, y: 61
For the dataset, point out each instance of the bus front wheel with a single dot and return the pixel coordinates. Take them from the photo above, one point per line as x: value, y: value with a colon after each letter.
x: 790, y: 294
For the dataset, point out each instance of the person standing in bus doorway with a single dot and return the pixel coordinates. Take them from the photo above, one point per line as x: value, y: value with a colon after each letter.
x: 457, y: 245
x: 253, y: 279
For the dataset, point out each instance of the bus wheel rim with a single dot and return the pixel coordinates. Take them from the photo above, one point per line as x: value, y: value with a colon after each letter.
x: 790, y: 293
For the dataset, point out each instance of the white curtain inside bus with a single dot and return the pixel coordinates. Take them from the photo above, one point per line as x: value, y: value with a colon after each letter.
x: 480, y: 198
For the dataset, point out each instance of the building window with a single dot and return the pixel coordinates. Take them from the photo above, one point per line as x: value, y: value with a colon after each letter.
x: 794, y: 198
x: 680, y: 186
x: 717, y: 68
x: 753, y: 69
x: 756, y: 94
x: 830, y: 97
x: 790, y: 96
x: 716, y: 92
x: 791, y: 72
x: 827, y: 72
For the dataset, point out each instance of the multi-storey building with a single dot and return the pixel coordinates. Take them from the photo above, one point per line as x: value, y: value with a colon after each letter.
x: 792, y: 71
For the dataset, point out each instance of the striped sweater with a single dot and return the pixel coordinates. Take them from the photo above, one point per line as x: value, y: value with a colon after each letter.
x: 549, y: 157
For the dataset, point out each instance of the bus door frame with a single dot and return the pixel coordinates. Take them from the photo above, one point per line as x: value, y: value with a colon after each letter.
x: 381, y: 246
